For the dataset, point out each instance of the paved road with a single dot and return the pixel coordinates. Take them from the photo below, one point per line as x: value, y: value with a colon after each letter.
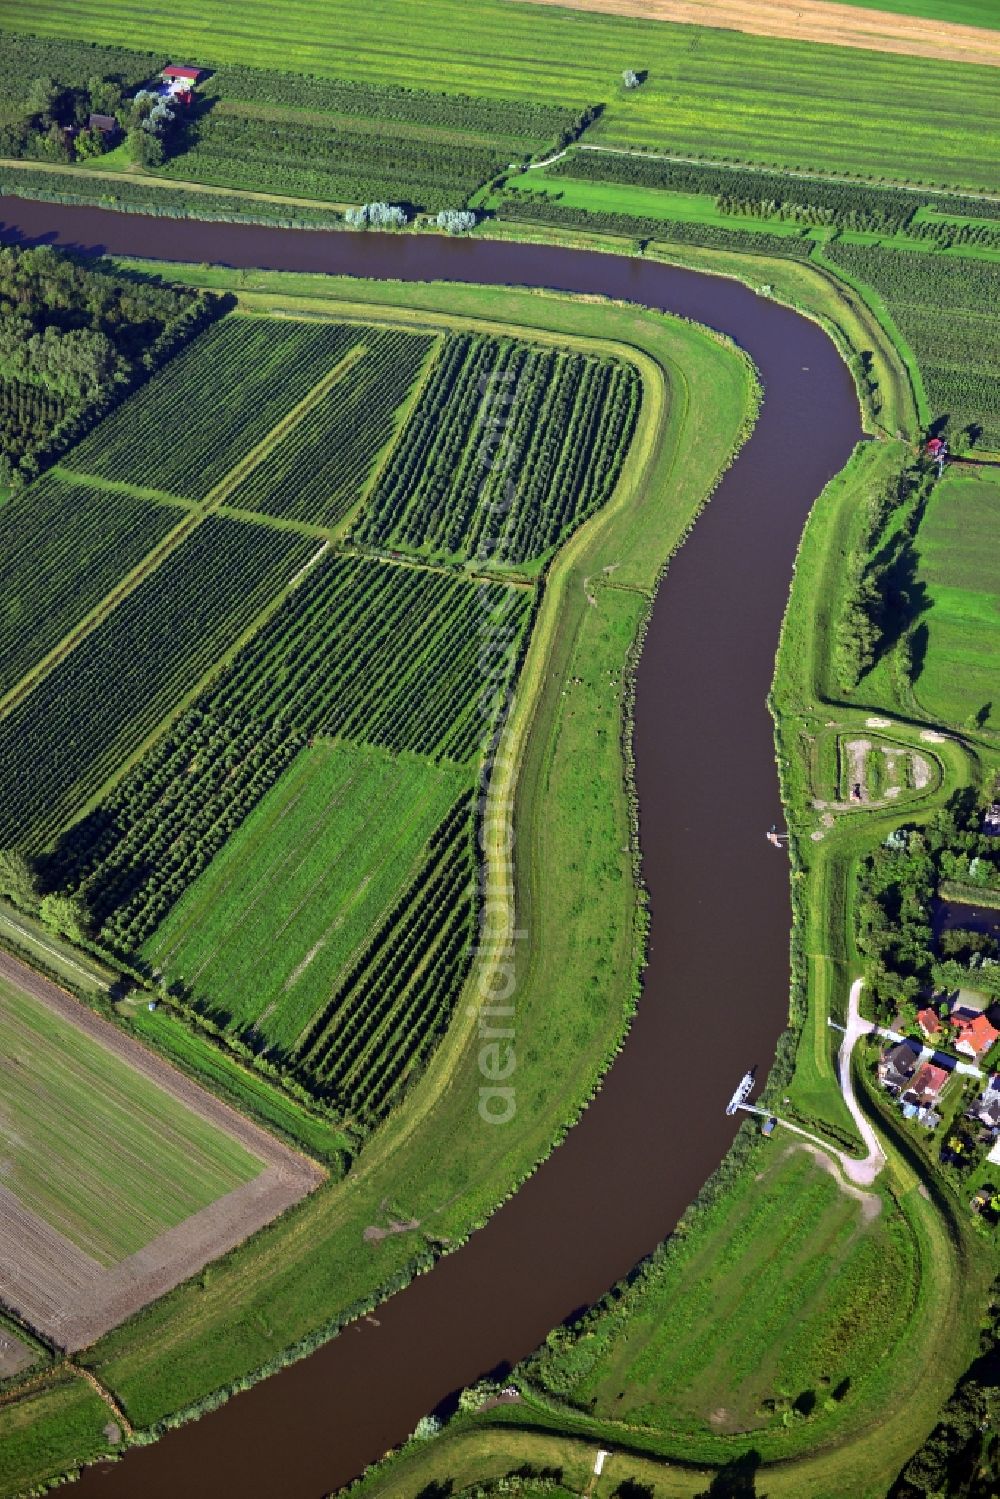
x: 861, y: 1173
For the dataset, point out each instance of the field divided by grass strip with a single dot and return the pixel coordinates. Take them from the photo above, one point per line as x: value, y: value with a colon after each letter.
x: 63, y: 546
x: 376, y: 652
x: 384, y: 1019
x: 492, y: 410
x: 262, y: 939
x: 100, y: 1153
x: 79, y: 724
x: 710, y: 93
x: 246, y: 372
x: 317, y: 472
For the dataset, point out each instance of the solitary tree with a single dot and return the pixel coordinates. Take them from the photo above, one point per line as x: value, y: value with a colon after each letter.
x: 65, y: 914
x: 630, y: 78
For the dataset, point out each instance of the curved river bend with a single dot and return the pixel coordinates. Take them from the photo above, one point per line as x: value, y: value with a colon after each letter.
x: 719, y: 947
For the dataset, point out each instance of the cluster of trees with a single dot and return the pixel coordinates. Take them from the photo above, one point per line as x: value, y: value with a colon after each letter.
x: 65, y: 914
x: 879, y: 595
x: 376, y: 216
x: 75, y: 334
x: 456, y: 220
x: 943, y: 306
x: 961, y: 1457
x: 896, y: 888
x: 55, y: 124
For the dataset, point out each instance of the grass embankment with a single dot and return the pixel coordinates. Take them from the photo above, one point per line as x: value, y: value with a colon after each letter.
x: 704, y: 95
x: 565, y: 778
x: 853, y: 1320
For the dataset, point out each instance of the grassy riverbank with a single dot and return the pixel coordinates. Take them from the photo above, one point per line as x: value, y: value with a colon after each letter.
x: 435, y: 1160
x: 856, y: 1313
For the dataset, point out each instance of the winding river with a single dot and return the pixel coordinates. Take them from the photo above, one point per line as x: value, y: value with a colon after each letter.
x: 716, y: 992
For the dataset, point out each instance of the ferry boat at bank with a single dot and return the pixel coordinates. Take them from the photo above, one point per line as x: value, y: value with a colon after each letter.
x: 742, y: 1092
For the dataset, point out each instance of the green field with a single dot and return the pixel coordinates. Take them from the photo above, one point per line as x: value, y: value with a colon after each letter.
x: 167, y: 436
x: 64, y: 546
x: 427, y: 1157
x: 958, y: 12
x: 942, y: 307
x: 100, y: 1153
x: 49, y: 1431
x: 564, y: 436
x: 959, y: 676
x: 709, y: 92
x: 319, y: 470
x: 265, y: 935
x: 77, y: 726
x: 786, y: 1296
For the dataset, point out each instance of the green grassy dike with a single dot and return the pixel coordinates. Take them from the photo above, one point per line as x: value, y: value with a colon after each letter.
x: 567, y: 778
x: 895, y: 1306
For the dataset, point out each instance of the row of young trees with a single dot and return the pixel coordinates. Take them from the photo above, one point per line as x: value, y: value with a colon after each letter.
x: 879, y: 594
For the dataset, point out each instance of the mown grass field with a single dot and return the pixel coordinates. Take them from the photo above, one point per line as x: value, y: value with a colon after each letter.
x: 265, y: 935
x: 98, y: 1152
x: 791, y: 1298
x: 958, y: 567
x: 713, y: 93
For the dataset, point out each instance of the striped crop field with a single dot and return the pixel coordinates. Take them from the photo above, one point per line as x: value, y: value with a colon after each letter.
x: 377, y: 652
x: 318, y: 471
x: 389, y: 1011
x: 271, y: 929
x: 509, y: 448
x: 83, y: 720
x: 238, y: 379
x: 718, y: 94
x: 93, y: 1148
x: 63, y: 546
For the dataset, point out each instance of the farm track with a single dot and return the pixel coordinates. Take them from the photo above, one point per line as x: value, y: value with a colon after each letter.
x: 814, y: 21
x: 65, y: 1294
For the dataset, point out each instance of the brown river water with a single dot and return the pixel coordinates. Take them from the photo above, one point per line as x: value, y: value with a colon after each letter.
x: 716, y: 990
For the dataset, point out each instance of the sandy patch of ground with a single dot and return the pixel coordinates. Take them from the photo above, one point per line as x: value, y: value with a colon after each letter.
x: 857, y: 756
x: 921, y: 771
x: 878, y: 723
x: 815, y: 21
x: 56, y: 1287
x: 931, y: 736
x: 14, y: 1355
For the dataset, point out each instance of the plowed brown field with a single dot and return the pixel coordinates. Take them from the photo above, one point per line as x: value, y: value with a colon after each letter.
x: 814, y: 21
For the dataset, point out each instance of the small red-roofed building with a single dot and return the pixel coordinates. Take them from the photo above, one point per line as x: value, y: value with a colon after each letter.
x: 927, y: 1084
x: 973, y: 1032
x: 929, y: 1021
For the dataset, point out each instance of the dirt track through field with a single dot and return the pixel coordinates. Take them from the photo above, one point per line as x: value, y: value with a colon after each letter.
x: 813, y: 21
x: 60, y: 1290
